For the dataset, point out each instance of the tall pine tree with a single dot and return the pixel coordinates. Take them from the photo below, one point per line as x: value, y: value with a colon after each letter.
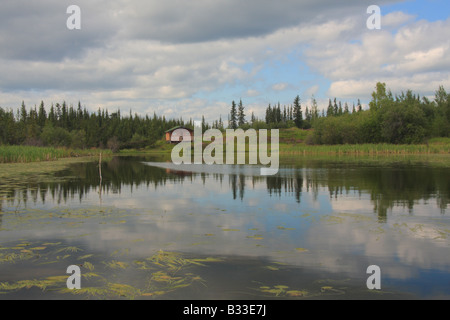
x: 241, y: 114
x: 298, y: 117
x: 233, y: 116
x: 330, y: 109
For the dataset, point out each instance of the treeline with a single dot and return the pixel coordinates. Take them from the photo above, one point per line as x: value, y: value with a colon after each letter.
x: 66, y: 126
x: 405, y: 118
x: 277, y: 117
x: 402, y: 119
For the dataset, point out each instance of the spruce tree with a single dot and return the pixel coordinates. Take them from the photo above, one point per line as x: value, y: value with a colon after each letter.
x: 307, y: 115
x: 220, y: 123
x: 23, y: 113
x: 314, y: 110
x: 298, y: 117
x: 42, y: 115
x: 330, y: 109
x: 241, y: 114
x: 269, y: 114
x: 233, y: 116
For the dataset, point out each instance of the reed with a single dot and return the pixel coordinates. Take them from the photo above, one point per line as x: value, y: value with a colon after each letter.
x: 365, y: 149
x: 24, y: 154
x: 293, y: 141
x: 296, y: 144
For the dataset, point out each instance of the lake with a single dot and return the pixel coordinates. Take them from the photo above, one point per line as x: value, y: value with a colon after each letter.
x: 147, y: 230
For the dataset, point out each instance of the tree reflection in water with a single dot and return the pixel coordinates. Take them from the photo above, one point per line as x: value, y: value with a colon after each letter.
x: 388, y: 186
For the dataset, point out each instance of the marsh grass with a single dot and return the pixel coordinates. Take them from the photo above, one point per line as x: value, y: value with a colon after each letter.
x: 365, y: 149
x: 294, y: 141
x: 26, y: 154
x: 296, y: 144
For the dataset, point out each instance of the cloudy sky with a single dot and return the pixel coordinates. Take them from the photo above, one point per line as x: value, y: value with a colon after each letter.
x: 192, y: 58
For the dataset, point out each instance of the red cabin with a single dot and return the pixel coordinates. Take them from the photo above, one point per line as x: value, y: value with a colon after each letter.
x: 178, y: 134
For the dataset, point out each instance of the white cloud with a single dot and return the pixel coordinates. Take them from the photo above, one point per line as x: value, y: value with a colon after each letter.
x: 311, y: 91
x: 414, y: 57
x: 252, y: 93
x: 280, y: 86
x: 159, y: 56
x: 423, y: 60
x: 395, y: 19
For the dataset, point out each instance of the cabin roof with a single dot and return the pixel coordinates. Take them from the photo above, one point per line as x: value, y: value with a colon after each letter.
x: 178, y: 127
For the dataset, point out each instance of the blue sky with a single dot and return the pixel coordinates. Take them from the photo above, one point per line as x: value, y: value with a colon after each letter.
x: 297, y: 77
x: 430, y: 10
x: 192, y: 58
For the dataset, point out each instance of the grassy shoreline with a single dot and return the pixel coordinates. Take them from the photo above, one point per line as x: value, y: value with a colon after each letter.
x: 365, y: 149
x: 27, y: 154
x: 292, y: 143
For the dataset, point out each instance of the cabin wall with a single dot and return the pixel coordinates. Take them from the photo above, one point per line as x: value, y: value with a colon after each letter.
x: 175, y: 138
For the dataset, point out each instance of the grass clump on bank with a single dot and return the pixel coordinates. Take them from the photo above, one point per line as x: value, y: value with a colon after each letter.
x: 25, y: 154
x: 294, y: 141
x: 364, y: 149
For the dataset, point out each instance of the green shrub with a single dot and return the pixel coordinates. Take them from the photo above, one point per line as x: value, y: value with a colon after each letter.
x: 56, y: 137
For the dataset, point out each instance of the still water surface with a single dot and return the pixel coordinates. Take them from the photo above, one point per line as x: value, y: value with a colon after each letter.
x: 146, y: 231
